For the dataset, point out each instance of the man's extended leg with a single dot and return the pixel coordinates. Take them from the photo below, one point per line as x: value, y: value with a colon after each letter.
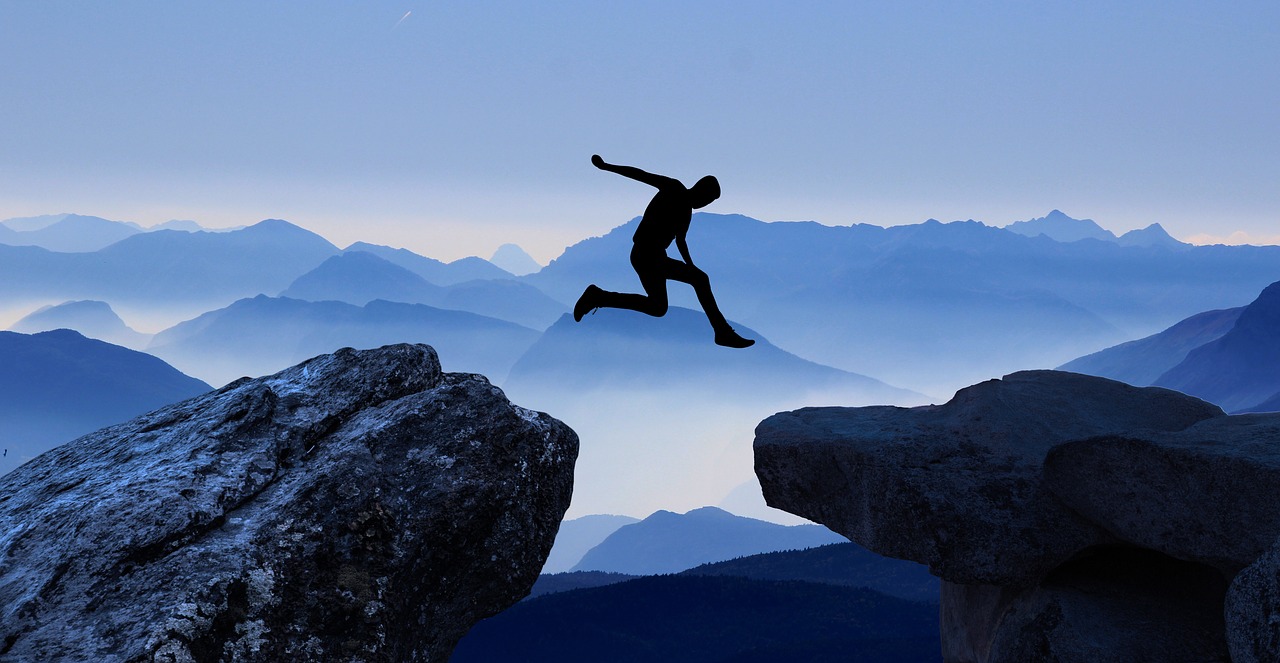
x: 685, y: 273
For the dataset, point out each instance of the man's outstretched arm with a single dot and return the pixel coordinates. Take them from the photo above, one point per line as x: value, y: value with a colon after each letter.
x: 657, y: 181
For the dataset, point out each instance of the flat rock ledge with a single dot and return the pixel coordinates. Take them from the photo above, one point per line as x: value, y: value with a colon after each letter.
x: 1071, y: 518
x: 361, y: 506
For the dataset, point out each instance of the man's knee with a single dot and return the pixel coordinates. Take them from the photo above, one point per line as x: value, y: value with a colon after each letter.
x: 699, y: 277
x: 656, y: 308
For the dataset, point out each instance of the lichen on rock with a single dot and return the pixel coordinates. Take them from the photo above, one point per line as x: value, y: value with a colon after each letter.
x: 362, y: 505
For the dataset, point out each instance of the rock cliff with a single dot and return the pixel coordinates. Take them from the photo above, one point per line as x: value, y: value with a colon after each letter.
x: 361, y: 506
x: 1071, y: 518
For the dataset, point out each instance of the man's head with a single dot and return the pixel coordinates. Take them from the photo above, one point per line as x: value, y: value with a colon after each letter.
x: 704, y: 191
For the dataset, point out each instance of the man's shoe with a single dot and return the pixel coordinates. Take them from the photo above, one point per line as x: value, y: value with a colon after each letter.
x: 588, y: 302
x: 730, y: 339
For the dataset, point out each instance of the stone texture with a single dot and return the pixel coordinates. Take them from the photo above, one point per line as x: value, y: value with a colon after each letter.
x: 361, y: 506
x: 958, y: 486
x: 1253, y: 611
x: 1206, y: 494
x: 1072, y: 518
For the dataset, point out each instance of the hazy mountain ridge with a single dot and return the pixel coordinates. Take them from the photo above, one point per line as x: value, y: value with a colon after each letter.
x: 1238, y: 369
x: 626, y: 350
x: 168, y: 267
x: 435, y: 271
x: 843, y: 564
x: 667, y: 542
x: 260, y: 335
x: 1062, y: 228
x: 359, y: 277
x: 932, y: 302
x: 93, y: 319
x: 1141, y: 362
x: 578, y: 535
x: 514, y: 259
x: 58, y: 385
x: 69, y: 233
x: 1226, y: 356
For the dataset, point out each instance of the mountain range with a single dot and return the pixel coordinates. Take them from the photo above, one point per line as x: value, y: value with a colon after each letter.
x: 932, y: 306
x: 91, y: 318
x: 842, y: 315
x: 435, y: 271
x: 359, y: 277
x: 1238, y: 369
x: 625, y: 350
x: 844, y: 564
x: 72, y: 233
x: 59, y: 385
x: 578, y: 535
x: 513, y: 259
x: 1062, y: 228
x: 1227, y: 357
x: 167, y: 268
x: 263, y: 334
x: 667, y: 542
x: 1141, y: 362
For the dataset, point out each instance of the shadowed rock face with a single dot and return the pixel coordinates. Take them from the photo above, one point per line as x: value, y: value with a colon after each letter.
x: 1071, y: 518
x: 958, y: 486
x: 359, y: 506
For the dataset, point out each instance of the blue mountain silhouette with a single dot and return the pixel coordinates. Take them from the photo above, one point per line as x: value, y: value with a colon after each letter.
x: 667, y: 542
x: 624, y: 350
x: 91, y: 318
x: 930, y: 303
x: 1238, y: 369
x: 435, y: 271
x: 1143, y: 361
x: 168, y: 267
x: 72, y: 233
x: 263, y: 334
x: 359, y: 277
x: 579, y: 535
x: 59, y: 385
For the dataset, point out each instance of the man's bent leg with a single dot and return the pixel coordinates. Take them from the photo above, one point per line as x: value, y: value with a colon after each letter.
x: 725, y: 335
x: 654, y: 302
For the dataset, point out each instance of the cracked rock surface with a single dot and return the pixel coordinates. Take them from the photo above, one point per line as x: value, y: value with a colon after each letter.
x: 1071, y: 518
x: 361, y: 506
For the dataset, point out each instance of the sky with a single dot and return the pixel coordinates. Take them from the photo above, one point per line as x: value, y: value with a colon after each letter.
x: 452, y: 127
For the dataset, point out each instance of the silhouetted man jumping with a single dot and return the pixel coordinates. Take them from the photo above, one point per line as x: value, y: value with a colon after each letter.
x: 665, y: 219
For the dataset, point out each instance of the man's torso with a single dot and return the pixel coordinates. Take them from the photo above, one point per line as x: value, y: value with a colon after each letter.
x: 666, y: 217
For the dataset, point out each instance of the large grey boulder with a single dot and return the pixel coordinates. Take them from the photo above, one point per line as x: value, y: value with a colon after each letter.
x: 361, y: 506
x: 1071, y: 518
x: 958, y: 486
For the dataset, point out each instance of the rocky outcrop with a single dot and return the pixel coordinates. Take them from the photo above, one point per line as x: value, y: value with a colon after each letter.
x: 1071, y: 518
x: 1253, y: 611
x: 361, y: 506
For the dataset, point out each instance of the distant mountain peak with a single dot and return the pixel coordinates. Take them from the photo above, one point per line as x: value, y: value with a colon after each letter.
x: 30, y: 223
x: 274, y: 223
x: 515, y: 260
x: 1152, y: 235
x: 668, y: 542
x: 1058, y: 226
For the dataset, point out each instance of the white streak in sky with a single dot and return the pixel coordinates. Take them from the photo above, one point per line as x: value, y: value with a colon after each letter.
x: 402, y: 18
